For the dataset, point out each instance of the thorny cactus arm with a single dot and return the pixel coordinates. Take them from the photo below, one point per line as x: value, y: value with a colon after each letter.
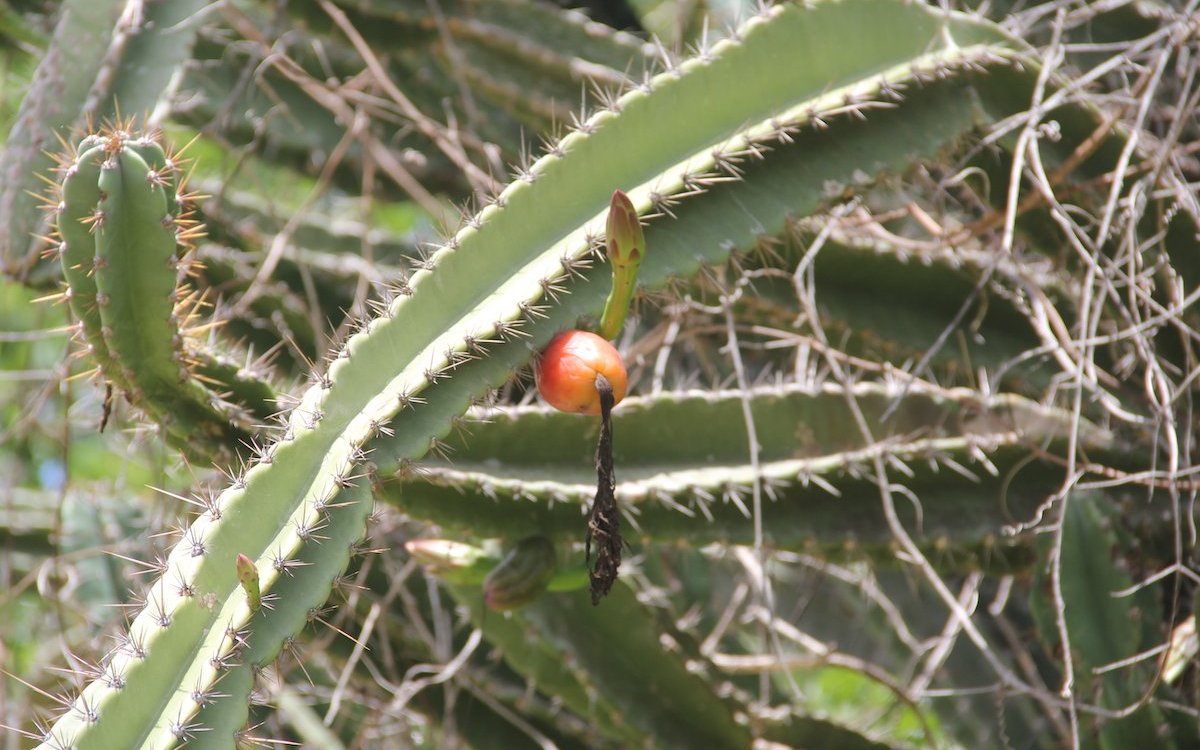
x: 1105, y: 627
x: 54, y: 103
x: 621, y: 664
x: 125, y: 239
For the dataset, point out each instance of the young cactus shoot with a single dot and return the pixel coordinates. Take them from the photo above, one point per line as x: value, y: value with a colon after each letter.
x: 626, y: 246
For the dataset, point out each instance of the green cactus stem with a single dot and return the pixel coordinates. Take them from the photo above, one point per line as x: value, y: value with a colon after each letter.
x: 125, y: 237
x: 80, y: 195
x: 610, y: 663
x: 814, y: 467
x: 1103, y: 629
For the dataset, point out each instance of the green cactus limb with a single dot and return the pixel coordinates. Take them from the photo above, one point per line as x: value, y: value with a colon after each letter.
x: 481, y: 288
x: 919, y: 301
x: 619, y: 646
x: 89, y: 237
x: 539, y: 38
x: 485, y: 698
x: 1103, y: 629
x: 302, y: 128
x: 136, y: 283
x: 102, y: 64
x: 276, y: 318
x: 814, y: 466
x: 323, y: 240
x: 542, y: 663
x: 793, y: 422
x: 609, y: 663
x: 245, y: 385
x: 712, y: 225
x: 550, y: 664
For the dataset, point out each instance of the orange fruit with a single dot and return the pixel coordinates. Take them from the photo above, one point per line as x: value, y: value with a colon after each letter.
x: 567, y: 368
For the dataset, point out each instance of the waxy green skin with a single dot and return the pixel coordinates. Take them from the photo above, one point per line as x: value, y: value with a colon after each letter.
x: 77, y: 249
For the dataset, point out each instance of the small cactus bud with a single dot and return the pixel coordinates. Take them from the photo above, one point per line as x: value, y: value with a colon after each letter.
x: 626, y: 246
x: 522, y: 575
x: 247, y: 575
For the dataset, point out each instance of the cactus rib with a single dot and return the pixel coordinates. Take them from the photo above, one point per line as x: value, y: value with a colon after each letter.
x: 821, y: 501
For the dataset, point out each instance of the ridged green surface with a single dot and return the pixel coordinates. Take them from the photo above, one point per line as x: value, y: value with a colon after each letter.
x: 105, y: 62
x: 619, y: 664
x: 537, y: 646
x: 126, y: 263
x: 239, y: 383
x: 151, y: 57
x: 505, y: 70
x: 80, y: 197
x: 966, y: 461
x: 300, y: 591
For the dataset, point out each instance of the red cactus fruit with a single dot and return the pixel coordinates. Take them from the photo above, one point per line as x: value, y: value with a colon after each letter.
x: 566, y: 372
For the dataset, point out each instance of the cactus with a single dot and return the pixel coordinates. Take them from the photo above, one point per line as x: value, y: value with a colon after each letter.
x: 500, y: 258
x: 125, y: 241
x: 494, y: 66
x: 89, y: 74
x: 887, y: 394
